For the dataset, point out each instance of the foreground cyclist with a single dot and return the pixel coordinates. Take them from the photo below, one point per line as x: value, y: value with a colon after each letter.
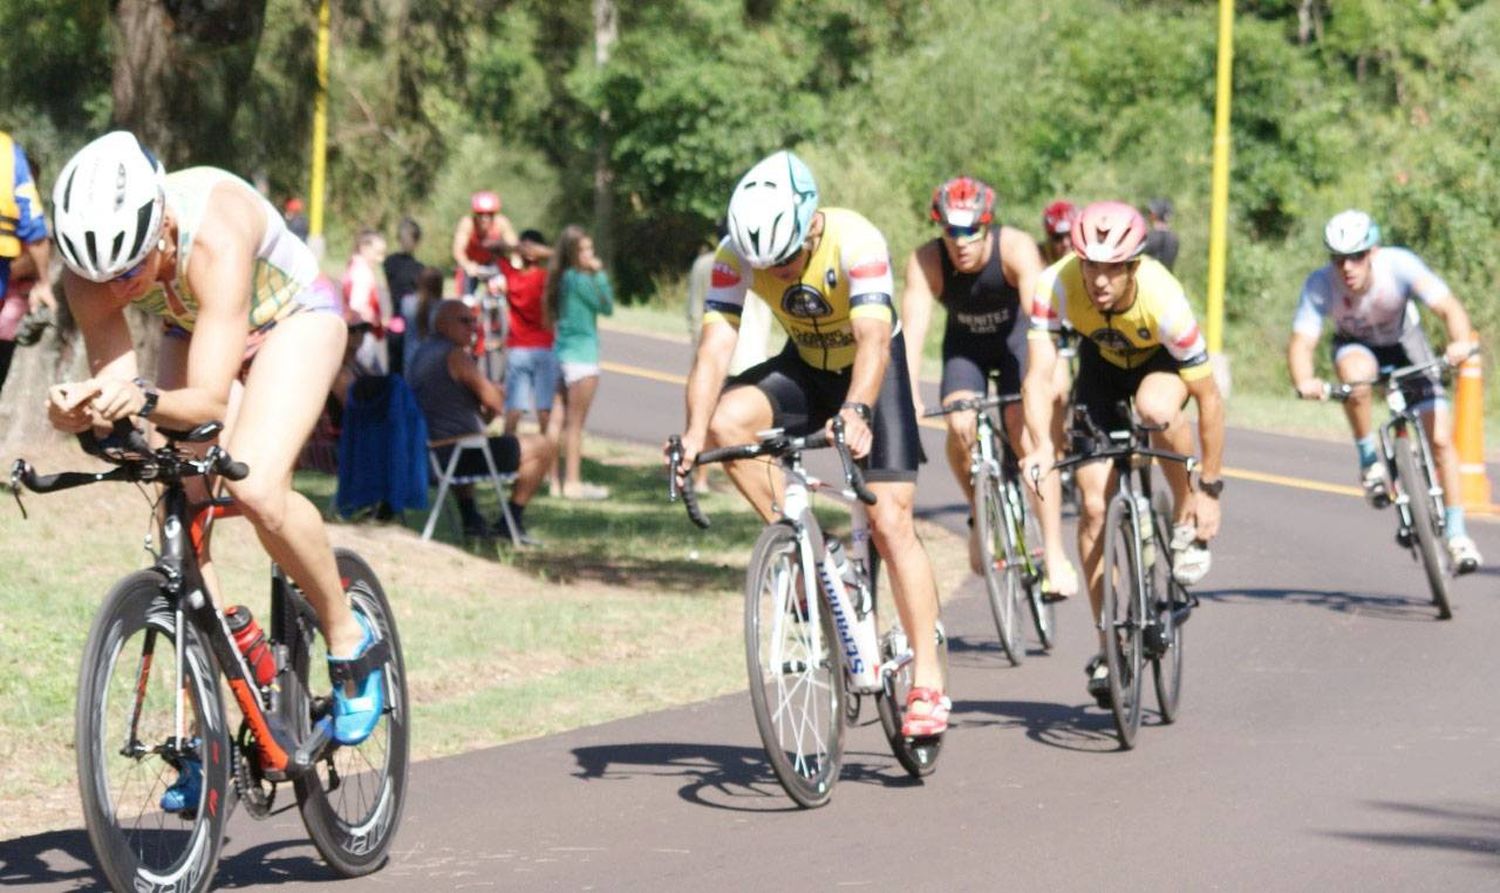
x: 1367, y: 290
x: 205, y: 251
x: 1139, y: 339
x: 826, y: 275
x: 984, y: 275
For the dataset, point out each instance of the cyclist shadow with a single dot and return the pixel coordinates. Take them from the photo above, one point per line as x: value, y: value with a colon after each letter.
x: 51, y: 857
x: 1081, y: 727
x: 1467, y: 829
x: 260, y: 864
x: 720, y: 776
x: 1383, y: 607
x: 964, y: 651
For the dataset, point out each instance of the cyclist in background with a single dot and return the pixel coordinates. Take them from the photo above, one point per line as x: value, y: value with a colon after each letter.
x: 984, y: 275
x: 1367, y: 291
x: 826, y: 275
x: 1057, y: 225
x: 23, y: 238
x: 248, y: 340
x: 481, y: 239
x: 1138, y: 339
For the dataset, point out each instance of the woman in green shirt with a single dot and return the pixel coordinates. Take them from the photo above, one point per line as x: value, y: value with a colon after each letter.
x: 578, y: 292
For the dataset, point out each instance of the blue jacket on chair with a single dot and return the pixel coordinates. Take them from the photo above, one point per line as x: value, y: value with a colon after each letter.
x: 382, y: 447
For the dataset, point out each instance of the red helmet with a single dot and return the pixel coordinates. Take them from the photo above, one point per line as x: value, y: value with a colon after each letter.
x: 1058, y: 217
x: 963, y: 201
x: 1109, y: 232
x: 485, y: 202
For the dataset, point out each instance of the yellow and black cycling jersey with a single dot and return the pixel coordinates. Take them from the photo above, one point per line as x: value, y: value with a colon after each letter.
x: 848, y: 276
x: 1159, y: 317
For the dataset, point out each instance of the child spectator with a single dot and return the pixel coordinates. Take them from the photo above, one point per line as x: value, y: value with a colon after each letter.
x: 578, y: 292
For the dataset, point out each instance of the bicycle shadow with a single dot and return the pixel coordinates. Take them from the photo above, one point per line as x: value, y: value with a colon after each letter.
x: 1468, y: 829
x: 985, y: 652
x: 721, y: 776
x: 1082, y: 727
x: 1383, y: 607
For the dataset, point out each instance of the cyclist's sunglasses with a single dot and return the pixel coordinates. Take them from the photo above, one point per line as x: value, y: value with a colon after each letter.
x: 133, y: 271
x: 1356, y: 257
x: 964, y: 233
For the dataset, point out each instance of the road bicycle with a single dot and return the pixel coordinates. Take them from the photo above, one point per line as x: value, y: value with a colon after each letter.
x: 1407, y: 454
x: 812, y: 635
x: 1010, y: 536
x: 1144, y: 608
x: 150, y: 699
x: 489, y: 302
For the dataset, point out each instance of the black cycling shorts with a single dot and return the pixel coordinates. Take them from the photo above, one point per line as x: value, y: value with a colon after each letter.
x: 804, y: 398
x: 1413, y: 349
x: 968, y: 364
x: 1101, y: 386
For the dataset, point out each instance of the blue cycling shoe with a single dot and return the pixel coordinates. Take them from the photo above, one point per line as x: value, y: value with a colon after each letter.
x: 355, y: 716
x: 185, y: 792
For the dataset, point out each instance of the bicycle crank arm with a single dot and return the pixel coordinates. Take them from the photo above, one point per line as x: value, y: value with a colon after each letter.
x: 895, y: 664
x: 311, y: 749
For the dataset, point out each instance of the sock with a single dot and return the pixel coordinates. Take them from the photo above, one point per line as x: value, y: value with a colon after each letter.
x: 516, y: 510
x: 7, y: 348
x: 470, y: 513
x: 1453, y: 516
x: 1366, y: 447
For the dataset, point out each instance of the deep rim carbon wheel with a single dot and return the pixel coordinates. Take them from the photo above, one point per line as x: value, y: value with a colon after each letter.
x: 918, y: 756
x: 1002, y: 568
x: 1043, y: 613
x: 352, y: 799
x: 1430, y: 547
x: 1122, y: 621
x: 1166, y: 595
x: 128, y: 746
x: 796, y: 675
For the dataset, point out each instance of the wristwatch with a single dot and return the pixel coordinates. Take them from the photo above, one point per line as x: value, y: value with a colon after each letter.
x: 1211, y: 488
x: 151, y: 394
x: 860, y: 409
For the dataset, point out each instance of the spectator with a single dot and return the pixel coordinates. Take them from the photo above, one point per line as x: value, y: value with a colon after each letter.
x: 531, y: 365
x: 296, y: 219
x: 1161, y: 242
x: 429, y: 295
x: 363, y: 300
x: 23, y: 242
x: 578, y: 292
x: 456, y: 399
x: 401, y: 271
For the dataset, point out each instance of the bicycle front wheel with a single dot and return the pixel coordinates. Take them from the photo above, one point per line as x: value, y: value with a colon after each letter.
x: 142, y: 717
x: 1424, y: 521
x: 352, y: 799
x: 918, y: 756
x: 1121, y: 619
x: 1043, y: 613
x: 1001, y: 564
x: 796, y: 677
x: 1167, y: 597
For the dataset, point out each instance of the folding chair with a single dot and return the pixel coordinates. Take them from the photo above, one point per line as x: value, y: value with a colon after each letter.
x: 446, y: 477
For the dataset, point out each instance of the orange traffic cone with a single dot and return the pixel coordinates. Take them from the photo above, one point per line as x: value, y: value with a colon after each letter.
x: 1468, y: 436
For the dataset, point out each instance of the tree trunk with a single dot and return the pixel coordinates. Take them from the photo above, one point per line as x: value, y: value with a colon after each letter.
x: 606, y: 32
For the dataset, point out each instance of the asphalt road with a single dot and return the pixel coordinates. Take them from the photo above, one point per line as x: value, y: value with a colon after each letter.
x: 1333, y: 735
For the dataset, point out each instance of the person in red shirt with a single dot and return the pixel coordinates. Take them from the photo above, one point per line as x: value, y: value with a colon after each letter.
x: 481, y: 239
x: 531, y: 366
x: 363, y: 301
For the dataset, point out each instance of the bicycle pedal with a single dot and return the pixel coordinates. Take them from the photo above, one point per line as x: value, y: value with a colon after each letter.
x: 1404, y: 537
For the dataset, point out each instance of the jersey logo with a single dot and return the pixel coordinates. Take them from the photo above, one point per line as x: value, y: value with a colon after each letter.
x: 1109, y: 339
x: 725, y: 275
x: 831, y: 279
x: 1188, y: 339
x: 804, y: 302
x: 870, y: 269
x: 1143, y: 332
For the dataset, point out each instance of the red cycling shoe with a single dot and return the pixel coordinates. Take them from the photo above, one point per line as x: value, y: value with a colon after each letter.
x: 930, y: 724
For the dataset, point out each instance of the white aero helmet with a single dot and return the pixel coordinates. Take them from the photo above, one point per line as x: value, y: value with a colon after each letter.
x: 771, y: 209
x: 107, y: 206
x: 1351, y: 232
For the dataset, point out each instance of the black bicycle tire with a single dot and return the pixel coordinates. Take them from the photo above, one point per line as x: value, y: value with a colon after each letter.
x: 1001, y: 585
x: 917, y: 756
x: 134, y: 603
x: 1413, y: 482
x: 1166, y: 667
x: 809, y: 792
x: 1043, y: 612
x: 353, y: 849
x: 1127, y: 716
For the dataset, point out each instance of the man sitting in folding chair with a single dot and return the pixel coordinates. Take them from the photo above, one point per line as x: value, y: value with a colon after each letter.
x: 457, y: 401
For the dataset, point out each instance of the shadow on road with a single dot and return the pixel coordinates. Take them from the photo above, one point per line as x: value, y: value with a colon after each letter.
x: 1081, y: 727
x: 1384, y: 607
x: 721, y: 776
x: 52, y: 857
x: 1470, y: 829
x: 967, y: 651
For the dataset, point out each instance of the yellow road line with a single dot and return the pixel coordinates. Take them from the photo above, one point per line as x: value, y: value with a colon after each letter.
x: 1242, y: 474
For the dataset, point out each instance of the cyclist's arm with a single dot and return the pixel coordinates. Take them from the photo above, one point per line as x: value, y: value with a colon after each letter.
x: 1204, y: 390
x: 1299, y: 362
x: 916, y: 308
x: 465, y: 371
x: 706, y: 379
x: 1037, y: 397
x: 461, y: 236
x: 1022, y: 264
x: 1455, y: 319
x: 872, y: 349
x: 1307, y: 329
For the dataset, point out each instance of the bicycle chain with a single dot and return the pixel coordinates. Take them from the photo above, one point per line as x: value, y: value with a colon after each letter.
x: 254, y: 791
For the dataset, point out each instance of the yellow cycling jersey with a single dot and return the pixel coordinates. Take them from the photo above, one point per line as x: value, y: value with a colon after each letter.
x: 1159, y: 317
x: 848, y: 276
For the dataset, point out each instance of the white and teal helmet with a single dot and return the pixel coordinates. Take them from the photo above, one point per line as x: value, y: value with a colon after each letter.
x: 108, y: 205
x: 1350, y: 232
x: 771, y: 209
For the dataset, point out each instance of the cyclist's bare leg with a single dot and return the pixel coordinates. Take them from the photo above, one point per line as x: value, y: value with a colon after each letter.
x: 1047, y: 505
x: 1438, y: 422
x: 513, y: 421
x: 1357, y: 365
x: 1096, y: 482
x: 580, y: 398
x: 893, y: 530
x: 962, y: 432
x: 284, y: 395
x: 1159, y: 401
x: 741, y: 413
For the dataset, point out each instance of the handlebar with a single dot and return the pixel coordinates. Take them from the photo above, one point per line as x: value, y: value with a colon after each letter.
x: 973, y: 404
x: 1389, y: 377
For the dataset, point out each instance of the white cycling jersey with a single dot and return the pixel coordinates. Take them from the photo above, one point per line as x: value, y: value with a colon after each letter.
x: 1381, y: 315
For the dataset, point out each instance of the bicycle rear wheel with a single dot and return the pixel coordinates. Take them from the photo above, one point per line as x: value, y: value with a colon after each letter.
x: 131, y: 749
x: 796, y: 675
x: 352, y: 799
x: 1043, y: 613
x: 1424, y: 520
x: 918, y: 756
x: 1002, y: 566
x: 1164, y: 644
x: 1122, y: 619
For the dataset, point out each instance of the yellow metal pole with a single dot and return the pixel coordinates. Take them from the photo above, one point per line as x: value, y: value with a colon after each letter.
x: 1219, y: 215
x: 320, y: 132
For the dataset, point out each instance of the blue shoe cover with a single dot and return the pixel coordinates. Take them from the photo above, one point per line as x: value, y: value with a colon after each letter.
x: 355, y: 717
x: 186, y: 790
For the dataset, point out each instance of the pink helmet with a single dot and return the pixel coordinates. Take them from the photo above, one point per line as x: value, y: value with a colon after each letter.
x: 1109, y: 232
x: 1059, y: 216
x: 963, y: 201
x: 485, y: 202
